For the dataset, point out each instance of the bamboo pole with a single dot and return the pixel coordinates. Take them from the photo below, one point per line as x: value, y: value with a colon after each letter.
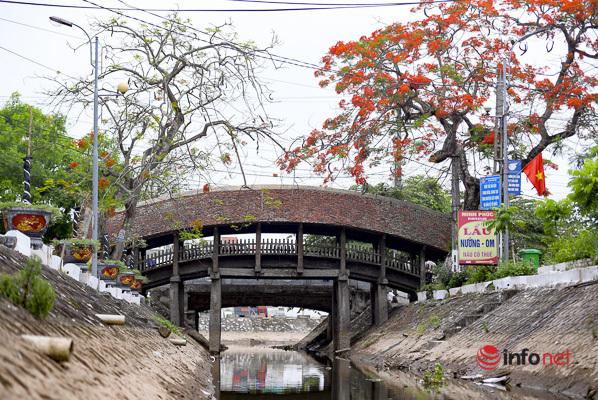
x: 57, y: 348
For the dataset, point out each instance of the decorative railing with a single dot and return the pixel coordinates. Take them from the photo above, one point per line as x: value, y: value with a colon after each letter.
x: 281, y: 247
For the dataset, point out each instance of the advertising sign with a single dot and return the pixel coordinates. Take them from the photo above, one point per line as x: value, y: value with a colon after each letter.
x: 489, y: 192
x: 477, y: 242
x: 514, y: 177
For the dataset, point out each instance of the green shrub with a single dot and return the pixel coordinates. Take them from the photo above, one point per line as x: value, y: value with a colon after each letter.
x: 434, y: 321
x: 514, y: 269
x: 432, y: 286
x: 479, y: 273
x: 574, y: 247
x: 457, y: 279
x: 434, y: 379
x: 28, y: 289
x: 442, y: 274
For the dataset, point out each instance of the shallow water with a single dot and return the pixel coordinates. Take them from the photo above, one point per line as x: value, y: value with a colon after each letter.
x: 254, y: 373
x: 275, y: 374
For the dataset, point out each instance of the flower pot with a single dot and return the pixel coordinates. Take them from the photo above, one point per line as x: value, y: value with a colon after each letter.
x: 125, y: 278
x: 108, y: 272
x: 30, y: 221
x: 136, y: 285
x: 79, y: 253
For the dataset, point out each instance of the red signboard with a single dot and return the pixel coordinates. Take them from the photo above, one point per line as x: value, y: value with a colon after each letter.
x: 477, y: 242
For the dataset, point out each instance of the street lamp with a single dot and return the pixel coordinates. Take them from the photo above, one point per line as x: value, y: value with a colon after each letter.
x: 94, y: 191
x: 121, y: 89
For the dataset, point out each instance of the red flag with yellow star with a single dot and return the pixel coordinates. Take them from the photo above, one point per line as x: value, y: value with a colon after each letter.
x: 535, y: 173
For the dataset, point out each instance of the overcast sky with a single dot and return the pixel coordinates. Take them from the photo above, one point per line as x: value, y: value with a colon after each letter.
x: 300, y: 103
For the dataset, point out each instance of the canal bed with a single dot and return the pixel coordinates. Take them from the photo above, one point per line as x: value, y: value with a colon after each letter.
x: 262, y: 373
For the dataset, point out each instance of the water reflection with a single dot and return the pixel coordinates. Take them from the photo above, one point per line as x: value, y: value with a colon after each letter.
x: 275, y: 374
x: 268, y: 374
x: 270, y: 371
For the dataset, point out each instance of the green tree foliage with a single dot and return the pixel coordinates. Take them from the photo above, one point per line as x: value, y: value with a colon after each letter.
x: 421, y: 190
x: 60, y: 168
x: 51, y: 149
x: 53, y: 179
x: 526, y: 229
x: 28, y: 289
x: 584, y: 186
x: 555, y: 215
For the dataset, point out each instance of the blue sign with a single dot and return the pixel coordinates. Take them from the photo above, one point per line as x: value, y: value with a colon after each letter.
x: 489, y: 192
x: 514, y: 177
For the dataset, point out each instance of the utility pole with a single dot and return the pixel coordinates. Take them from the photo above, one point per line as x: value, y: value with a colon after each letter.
x: 94, y: 186
x: 501, y: 150
x: 497, y: 151
x: 455, y: 209
x: 505, y: 158
x: 27, y: 163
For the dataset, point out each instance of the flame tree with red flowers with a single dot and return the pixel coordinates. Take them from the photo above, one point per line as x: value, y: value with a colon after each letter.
x: 417, y: 90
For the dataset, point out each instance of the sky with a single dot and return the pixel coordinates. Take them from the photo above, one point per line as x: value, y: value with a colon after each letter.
x: 32, y: 47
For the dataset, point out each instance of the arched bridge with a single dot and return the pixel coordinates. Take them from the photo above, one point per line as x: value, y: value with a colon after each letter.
x: 320, y: 234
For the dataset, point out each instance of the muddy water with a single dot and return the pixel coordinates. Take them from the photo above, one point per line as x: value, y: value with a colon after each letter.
x: 283, y: 375
x: 261, y: 373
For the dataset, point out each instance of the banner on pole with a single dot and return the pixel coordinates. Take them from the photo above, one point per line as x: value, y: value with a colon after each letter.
x: 477, y: 242
x: 489, y: 192
x: 514, y: 177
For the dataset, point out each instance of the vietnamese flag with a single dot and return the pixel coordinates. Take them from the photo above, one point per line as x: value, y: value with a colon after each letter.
x: 535, y: 173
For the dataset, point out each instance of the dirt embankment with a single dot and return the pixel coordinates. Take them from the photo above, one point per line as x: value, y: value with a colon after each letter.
x: 452, y: 331
x: 108, y: 362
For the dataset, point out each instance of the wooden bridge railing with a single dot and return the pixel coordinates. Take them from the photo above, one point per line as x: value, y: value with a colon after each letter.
x: 280, y: 247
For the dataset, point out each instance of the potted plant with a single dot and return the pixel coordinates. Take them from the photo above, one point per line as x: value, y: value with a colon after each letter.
x: 138, y: 282
x: 126, y: 277
x: 29, y: 219
x: 109, y: 270
x: 79, y: 250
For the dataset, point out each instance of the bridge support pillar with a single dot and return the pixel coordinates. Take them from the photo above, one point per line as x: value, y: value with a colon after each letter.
x: 342, y: 316
x: 215, y: 310
x: 379, y: 303
x: 177, y: 300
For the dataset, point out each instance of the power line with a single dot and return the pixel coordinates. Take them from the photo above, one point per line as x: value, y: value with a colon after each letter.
x: 40, y: 28
x: 314, y: 7
x: 35, y: 62
x: 269, y: 57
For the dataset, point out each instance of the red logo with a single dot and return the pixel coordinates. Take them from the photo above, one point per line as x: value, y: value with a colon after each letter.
x: 488, y: 357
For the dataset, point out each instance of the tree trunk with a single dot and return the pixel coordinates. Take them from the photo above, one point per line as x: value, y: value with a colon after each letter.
x: 130, y: 213
x: 471, y: 196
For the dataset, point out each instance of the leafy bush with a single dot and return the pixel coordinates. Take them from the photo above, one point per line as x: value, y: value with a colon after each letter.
x: 575, y: 247
x: 432, y: 286
x: 513, y: 269
x: 442, y: 274
x: 80, y: 242
x: 434, y: 379
x: 457, y: 279
x: 479, y: 273
x: 28, y: 289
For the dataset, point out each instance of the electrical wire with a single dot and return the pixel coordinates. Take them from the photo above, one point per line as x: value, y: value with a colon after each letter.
x: 269, y: 57
x: 40, y: 28
x: 306, y: 8
x: 36, y: 62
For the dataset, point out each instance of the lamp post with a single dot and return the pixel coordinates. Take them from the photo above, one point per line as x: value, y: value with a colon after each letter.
x: 504, y: 112
x: 94, y: 190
